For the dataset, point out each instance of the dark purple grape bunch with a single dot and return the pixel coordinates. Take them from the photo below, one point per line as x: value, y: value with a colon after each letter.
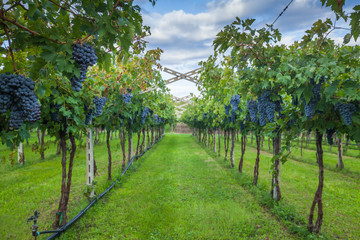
x: 156, y: 117
x: 227, y: 109
x: 144, y: 114
x: 234, y: 102
x: 329, y: 135
x: 89, y: 114
x: 346, y: 111
x: 84, y: 55
x: 76, y: 83
x: 99, y: 104
x: 127, y: 96
x: 310, y: 107
x: 266, y: 108
x: 252, y: 107
x: 17, y: 94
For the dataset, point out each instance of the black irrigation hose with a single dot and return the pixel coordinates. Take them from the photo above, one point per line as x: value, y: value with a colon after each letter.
x: 62, y: 229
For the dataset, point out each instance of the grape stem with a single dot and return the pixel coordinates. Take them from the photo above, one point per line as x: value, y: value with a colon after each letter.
x: 86, y: 37
x: 25, y: 28
x: 72, y: 12
x: 90, y: 88
x: 17, y: 4
x: 10, y: 49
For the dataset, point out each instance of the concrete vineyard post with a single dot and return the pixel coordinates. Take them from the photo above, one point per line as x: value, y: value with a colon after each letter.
x: 90, y: 160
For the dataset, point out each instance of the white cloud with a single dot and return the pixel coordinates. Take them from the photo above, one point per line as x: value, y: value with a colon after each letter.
x: 201, y: 26
x: 186, y: 38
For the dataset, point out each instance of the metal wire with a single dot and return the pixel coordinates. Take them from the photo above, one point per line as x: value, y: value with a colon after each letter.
x: 280, y: 15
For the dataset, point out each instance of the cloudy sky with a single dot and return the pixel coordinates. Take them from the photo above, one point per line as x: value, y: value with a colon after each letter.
x: 185, y: 29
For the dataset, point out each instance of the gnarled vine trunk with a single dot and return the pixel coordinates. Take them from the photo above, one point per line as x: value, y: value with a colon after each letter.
x: 42, y: 144
x: 302, y: 142
x: 257, y: 161
x: 340, y: 163
x: 275, y: 183
x: 138, y: 142
x: 122, y: 143
x: 130, y: 141
x: 143, y: 140
x: 232, y: 152
x: 226, y: 143
x: 152, y: 136
x: 243, y: 147
x: 318, y: 195
x: 214, y: 141
x: 61, y: 215
x: 219, y: 150
x: 109, y: 153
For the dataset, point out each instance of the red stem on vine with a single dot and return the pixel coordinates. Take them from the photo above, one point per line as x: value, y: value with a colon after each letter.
x: 72, y: 12
x: 26, y: 29
x: 116, y: 4
x: 10, y: 49
x: 90, y: 88
x: 17, y: 4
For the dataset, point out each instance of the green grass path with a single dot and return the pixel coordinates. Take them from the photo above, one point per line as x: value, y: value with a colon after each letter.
x: 177, y: 191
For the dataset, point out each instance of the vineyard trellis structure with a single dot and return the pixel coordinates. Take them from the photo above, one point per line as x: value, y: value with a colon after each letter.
x: 189, y: 76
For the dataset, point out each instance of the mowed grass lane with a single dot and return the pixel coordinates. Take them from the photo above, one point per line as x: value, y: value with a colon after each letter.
x: 299, y: 182
x: 37, y: 185
x: 178, y: 192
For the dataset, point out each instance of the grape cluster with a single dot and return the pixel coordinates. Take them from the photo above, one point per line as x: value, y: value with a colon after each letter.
x: 156, y: 117
x: 253, y: 110
x: 88, y: 116
x: 76, y: 83
x: 227, y: 109
x: 127, y: 96
x: 310, y: 107
x: 234, y: 102
x: 204, y: 115
x: 144, y: 114
x: 99, y: 104
x: 329, y: 134
x: 85, y: 56
x: 17, y: 94
x: 346, y: 111
x: 91, y: 113
x: 267, y: 108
